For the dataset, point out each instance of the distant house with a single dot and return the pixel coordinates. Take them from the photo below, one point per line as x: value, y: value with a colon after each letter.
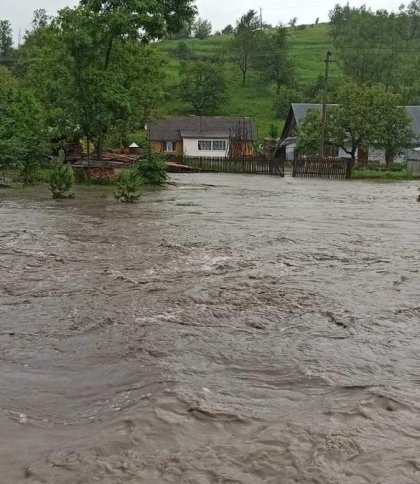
x: 203, y: 136
x: 287, y: 142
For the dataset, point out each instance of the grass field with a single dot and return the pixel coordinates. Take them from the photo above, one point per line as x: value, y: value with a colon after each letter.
x: 309, y: 45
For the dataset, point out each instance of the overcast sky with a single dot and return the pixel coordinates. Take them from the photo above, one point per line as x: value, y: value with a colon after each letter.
x: 219, y: 12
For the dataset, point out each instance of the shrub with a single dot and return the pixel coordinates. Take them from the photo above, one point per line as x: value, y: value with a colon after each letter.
x: 129, y: 184
x: 152, y: 170
x: 61, y: 179
x: 28, y: 171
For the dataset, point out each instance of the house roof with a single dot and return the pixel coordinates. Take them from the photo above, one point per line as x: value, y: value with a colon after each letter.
x: 298, y: 112
x: 174, y: 128
x: 414, y: 113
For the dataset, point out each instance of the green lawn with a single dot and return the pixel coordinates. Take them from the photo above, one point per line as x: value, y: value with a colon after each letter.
x: 308, y: 48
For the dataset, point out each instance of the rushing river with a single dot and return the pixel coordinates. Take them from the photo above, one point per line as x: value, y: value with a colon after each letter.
x: 226, y: 329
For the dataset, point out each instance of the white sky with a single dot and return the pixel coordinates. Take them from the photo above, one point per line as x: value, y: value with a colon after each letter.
x: 219, y: 12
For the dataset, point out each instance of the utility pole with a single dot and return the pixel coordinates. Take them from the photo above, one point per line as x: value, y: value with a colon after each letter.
x: 261, y: 18
x: 324, y: 105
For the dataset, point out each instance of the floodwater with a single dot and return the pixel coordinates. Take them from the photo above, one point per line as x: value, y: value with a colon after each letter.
x: 226, y: 329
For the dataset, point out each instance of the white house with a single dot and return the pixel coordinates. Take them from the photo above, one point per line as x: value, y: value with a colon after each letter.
x: 203, y: 136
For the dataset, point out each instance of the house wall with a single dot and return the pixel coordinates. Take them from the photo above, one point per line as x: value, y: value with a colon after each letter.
x: 375, y: 155
x: 159, y: 147
x: 413, y: 162
x: 191, y: 149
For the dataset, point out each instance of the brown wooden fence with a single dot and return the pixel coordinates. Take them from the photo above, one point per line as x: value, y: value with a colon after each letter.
x: 327, y: 168
x: 256, y: 166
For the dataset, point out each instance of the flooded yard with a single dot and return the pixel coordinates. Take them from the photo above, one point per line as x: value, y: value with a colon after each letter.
x: 226, y: 329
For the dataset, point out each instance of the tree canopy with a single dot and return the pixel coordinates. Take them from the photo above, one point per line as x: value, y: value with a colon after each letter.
x: 203, y: 85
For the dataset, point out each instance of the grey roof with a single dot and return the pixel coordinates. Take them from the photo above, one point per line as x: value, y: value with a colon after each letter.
x: 300, y: 110
x: 173, y: 128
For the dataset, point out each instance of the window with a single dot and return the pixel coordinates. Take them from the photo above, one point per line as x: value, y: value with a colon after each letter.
x: 219, y: 145
x: 209, y: 145
x: 170, y: 146
x: 204, y: 145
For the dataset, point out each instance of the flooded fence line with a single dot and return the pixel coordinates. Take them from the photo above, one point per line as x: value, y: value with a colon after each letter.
x: 338, y: 168
x: 245, y: 165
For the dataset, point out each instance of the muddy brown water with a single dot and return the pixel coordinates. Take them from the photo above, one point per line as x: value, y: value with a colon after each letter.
x: 226, y: 329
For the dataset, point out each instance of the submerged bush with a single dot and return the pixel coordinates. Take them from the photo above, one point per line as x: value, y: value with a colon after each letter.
x: 129, y: 184
x: 152, y: 170
x: 61, y: 179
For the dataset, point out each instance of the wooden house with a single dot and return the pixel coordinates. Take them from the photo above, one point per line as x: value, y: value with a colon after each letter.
x: 203, y: 136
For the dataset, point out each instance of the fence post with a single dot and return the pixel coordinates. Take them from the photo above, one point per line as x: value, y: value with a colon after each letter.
x: 349, y: 168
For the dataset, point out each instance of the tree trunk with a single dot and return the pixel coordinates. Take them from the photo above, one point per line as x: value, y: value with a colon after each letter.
x: 350, y: 163
x: 243, y: 77
x: 389, y: 158
x: 99, y: 146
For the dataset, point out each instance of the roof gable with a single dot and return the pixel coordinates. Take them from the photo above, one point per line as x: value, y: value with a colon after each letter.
x: 174, y: 127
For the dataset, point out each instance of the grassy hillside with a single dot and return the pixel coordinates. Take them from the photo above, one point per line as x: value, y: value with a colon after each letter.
x: 308, y: 48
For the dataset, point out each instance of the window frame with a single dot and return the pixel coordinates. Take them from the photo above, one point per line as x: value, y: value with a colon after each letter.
x: 207, y: 142
x: 222, y: 142
x: 173, y: 144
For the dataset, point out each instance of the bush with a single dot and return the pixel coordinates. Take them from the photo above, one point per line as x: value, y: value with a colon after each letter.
x: 61, y: 179
x: 129, y: 184
x: 28, y: 171
x: 152, y: 170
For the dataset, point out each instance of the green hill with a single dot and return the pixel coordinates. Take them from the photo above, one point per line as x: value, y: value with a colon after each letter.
x: 309, y: 45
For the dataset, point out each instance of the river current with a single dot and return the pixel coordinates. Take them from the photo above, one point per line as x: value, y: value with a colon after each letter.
x: 225, y: 329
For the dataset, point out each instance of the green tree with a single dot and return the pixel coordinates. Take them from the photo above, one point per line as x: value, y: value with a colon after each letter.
x: 273, y: 61
x: 6, y: 39
x: 244, y: 42
x: 61, y: 179
x: 153, y: 169
x: 144, y: 20
x: 394, y: 132
x: 23, y: 133
x: 94, y: 71
x: 201, y: 28
x: 40, y: 19
x: 228, y: 30
x: 203, y: 85
x: 309, y: 133
x: 129, y: 185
